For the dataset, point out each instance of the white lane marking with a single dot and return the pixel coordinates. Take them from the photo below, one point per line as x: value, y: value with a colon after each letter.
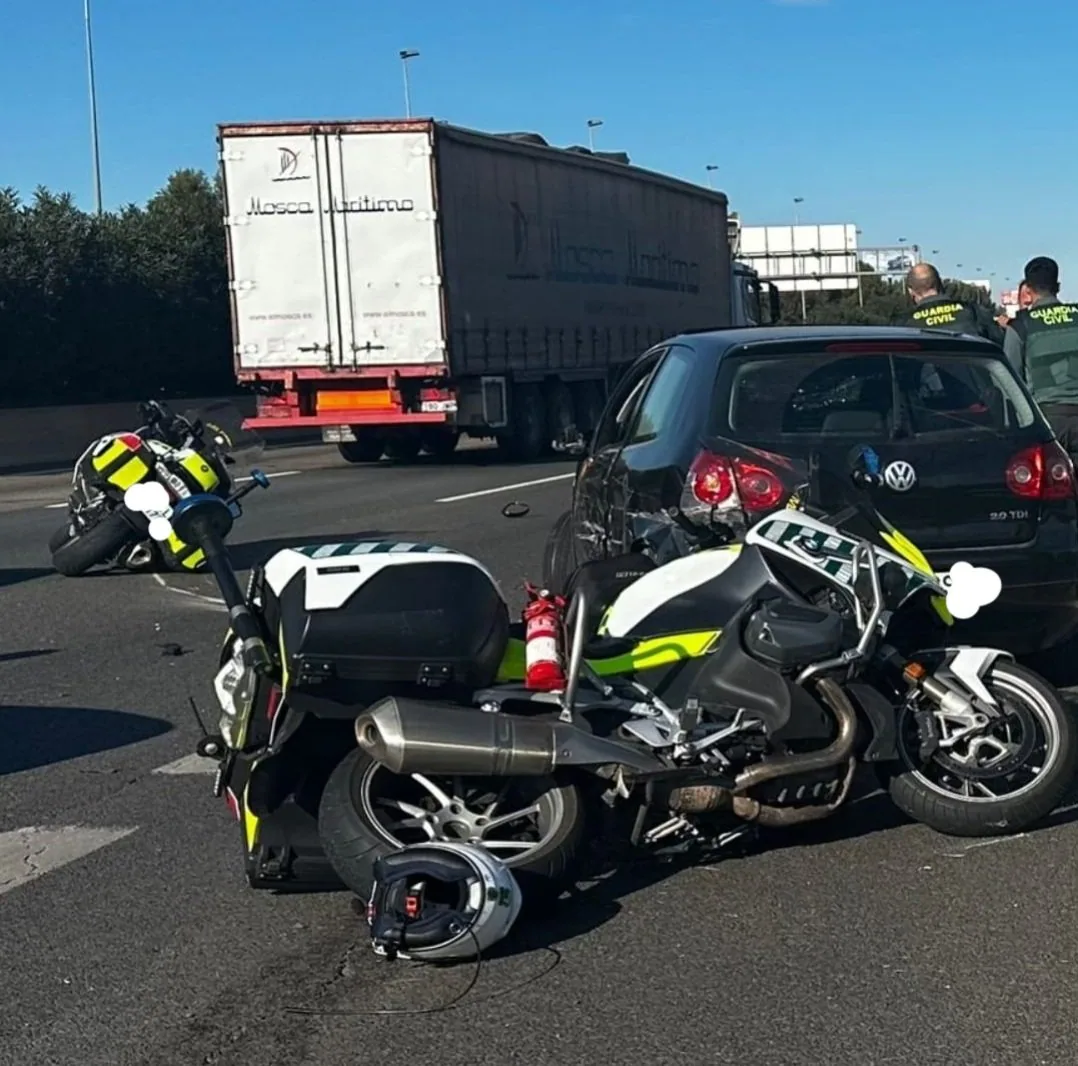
x: 239, y: 480
x: 213, y: 601
x: 505, y: 488
x: 27, y: 854
x: 189, y: 764
x: 274, y: 477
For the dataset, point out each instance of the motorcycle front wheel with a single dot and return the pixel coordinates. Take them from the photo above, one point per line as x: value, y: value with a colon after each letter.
x: 533, y: 824
x: 92, y: 546
x: 1001, y: 779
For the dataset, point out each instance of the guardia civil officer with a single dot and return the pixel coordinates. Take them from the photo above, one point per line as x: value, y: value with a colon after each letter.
x: 935, y: 311
x: 1042, y: 345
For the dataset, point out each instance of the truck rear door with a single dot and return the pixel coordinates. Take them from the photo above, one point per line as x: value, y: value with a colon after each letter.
x: 386, y: 248
x: 333, y: 247
x: 281, y: 266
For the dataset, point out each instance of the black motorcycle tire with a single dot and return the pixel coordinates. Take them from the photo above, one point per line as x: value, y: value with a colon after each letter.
x: 559, y: 555
x: 955, y: 817
x: 60, y: 537
x: 92, y: 546
x: 352, y: 845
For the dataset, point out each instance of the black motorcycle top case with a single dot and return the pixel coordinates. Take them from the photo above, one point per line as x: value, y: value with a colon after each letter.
x: 358, y: 622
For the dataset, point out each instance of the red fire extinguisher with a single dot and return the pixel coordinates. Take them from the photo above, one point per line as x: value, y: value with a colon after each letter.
x: 542, y: 620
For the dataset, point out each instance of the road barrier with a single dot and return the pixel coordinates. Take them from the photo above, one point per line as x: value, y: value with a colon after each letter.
x: 52, y: 438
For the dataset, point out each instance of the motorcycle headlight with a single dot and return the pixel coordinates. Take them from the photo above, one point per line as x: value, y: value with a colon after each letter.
x: 235, y: 686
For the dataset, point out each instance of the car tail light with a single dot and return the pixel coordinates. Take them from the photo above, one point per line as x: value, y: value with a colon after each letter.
x: 1042, y: 472
x: 715, y: 480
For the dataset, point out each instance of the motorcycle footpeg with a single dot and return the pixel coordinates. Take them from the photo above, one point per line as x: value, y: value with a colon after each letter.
x: 926, y: 733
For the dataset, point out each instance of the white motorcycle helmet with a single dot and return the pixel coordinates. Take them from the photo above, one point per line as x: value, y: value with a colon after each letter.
x: 441, y: 901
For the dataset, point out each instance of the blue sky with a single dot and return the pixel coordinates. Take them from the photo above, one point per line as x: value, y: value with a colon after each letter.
x: 865, y: 108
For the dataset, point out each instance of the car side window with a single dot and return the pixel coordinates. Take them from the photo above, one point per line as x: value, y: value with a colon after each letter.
x: 623, y: 403
x: 666, y: 395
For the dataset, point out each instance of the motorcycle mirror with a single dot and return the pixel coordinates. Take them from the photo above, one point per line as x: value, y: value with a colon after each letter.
x: 516, y: 509
x: 260, y: 478
x: 197, y: 515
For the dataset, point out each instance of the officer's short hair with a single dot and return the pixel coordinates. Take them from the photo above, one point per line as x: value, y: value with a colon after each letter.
x: 922, y: 278
x: 1042, y: 275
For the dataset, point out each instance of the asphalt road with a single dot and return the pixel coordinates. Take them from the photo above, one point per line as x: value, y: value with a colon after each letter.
x: 128, y: 935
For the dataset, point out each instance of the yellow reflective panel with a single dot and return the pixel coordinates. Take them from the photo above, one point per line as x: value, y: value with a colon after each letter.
x: 131, y: 473
x: 909, y: 551
x: 110, y: 455
x: 658, y: 651
x: 201, y: 471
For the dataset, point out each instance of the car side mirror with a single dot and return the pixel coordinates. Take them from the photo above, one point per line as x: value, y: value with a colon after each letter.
x: 570, y: 442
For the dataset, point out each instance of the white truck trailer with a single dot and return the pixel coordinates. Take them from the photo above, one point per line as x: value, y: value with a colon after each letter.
x: 399, y: 283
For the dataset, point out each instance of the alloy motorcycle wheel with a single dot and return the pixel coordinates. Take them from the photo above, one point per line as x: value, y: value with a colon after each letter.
x: 1000, y: 779
x: 533, y: 824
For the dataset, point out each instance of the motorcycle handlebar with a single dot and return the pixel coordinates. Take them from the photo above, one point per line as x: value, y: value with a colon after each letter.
x: 244, y: 625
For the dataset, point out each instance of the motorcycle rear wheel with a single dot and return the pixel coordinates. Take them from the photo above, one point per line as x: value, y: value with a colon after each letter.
x: 366, y: 812
x: 93, y: 546
x: 1035, y: 764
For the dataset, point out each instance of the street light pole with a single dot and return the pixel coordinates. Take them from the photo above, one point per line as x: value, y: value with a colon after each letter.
x: 710, y: 168
x: 593, y: 125
x: 94, y: 148
x: 405, y: 55
x: 793, y: 251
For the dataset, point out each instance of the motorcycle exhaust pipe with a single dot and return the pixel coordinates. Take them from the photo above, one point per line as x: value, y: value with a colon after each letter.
x: 838, y: 751
x: 413, y: 736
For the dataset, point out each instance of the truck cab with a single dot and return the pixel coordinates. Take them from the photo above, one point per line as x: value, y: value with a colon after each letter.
x: 748, y: 304
x: 753, y: 301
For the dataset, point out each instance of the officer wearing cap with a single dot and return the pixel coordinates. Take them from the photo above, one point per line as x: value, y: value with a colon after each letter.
x: 1042, y: 345
x: 934, y: 310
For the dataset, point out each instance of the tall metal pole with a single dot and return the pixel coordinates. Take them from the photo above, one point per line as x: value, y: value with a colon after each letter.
x: 405, y: 55
x: 94, y: 148
x: 798, y: 200
x: 593, y: 125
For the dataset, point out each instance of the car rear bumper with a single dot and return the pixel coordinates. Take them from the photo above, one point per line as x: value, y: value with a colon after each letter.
x: 1038, y: 607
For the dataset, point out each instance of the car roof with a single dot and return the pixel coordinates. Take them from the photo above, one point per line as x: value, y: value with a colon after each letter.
x: 721, y: 341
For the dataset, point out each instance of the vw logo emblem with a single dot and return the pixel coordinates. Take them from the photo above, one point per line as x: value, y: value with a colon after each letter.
x: 900, y: 476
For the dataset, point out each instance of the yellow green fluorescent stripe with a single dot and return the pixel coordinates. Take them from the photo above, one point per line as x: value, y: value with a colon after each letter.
x: 648, y: 654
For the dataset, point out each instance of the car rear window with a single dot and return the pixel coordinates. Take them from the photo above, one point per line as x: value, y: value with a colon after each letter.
x: 881, y: 395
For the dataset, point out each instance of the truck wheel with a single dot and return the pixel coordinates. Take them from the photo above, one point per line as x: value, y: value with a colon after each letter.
x: 440, y: 443
x: 93, y: 546
x: 589, y: 399
x: 526, y: 435
x: 364, y: 449
x: 403, y: 448
x: 561, y: 418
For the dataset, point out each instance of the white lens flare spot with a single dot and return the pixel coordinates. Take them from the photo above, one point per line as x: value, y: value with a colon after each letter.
x: 148, y: 497
x: 969, y: 588
x: 160, y: 528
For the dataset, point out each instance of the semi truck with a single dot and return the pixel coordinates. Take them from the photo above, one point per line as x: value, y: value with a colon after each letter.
x: 399, y: 283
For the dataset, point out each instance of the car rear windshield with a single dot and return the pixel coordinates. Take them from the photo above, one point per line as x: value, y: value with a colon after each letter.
x: 880, y: 395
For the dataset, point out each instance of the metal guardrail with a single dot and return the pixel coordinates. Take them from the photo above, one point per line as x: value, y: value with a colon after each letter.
x: 40, y: 439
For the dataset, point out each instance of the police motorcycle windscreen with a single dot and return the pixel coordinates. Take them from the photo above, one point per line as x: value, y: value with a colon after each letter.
x: 223, y: 430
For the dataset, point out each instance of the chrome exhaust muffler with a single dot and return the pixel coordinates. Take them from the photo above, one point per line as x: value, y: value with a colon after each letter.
x: 413, y: 736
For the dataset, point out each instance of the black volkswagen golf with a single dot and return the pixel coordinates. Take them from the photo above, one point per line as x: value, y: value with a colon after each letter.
x: 971, y: 468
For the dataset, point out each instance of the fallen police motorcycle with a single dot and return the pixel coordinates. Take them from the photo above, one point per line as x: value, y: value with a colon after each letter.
x: 738, y: 686
x: 185, y: 454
